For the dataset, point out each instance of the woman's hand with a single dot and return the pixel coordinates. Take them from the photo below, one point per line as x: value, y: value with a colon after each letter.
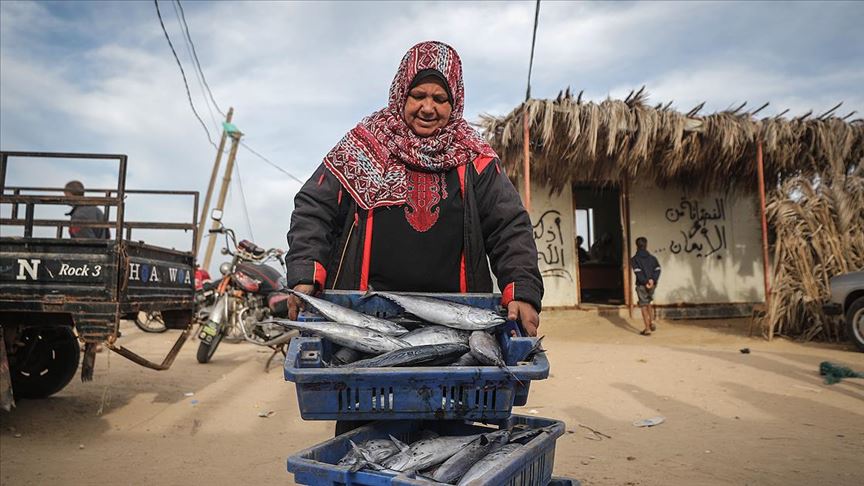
x: 295, y: 305
x: 524, y: 312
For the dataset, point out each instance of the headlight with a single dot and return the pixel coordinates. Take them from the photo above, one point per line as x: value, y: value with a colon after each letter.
x: 225, y: 268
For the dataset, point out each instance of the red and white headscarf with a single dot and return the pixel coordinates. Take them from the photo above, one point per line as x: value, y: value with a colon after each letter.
x: 370, y: 161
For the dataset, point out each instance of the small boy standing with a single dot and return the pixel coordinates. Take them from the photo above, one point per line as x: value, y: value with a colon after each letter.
x: 647, y: 270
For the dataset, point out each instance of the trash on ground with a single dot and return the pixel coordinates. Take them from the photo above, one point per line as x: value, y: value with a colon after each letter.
x: 649, y: 422
x: 745, y: 350
x: 266, y: 414
x: 834, y: 372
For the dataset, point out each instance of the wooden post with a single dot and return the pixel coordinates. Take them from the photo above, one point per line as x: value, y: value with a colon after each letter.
x: 765, y: 269
x: 204, y: 216
x: 628, y: 274
x: 223, y: 192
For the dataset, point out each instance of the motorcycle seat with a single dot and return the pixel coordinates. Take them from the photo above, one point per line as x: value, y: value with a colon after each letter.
x: 252, y: 248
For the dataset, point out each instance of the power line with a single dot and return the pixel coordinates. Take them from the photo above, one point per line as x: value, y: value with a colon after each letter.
x: 533, y: 41
x: 197, y: 66
x: 183, y: 73
x: 198, y: 73
x: 195, y: 56
x: 265, y: 159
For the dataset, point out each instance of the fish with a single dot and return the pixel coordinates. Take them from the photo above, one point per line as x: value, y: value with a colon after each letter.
x: 454, y: 468
x: 435, y: 335
x: 444, y: 312
x: 424, y: 454
x: 485, y: 466
x: 344, y: 315
x: 375, y: 450
x: 359, y: 338
x: 466, y: 359
x: 412, y: 356
x: 486, y: 350
x: 526, y: 436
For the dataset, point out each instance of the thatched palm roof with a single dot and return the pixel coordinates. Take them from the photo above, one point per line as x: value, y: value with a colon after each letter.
x: 576, y: 140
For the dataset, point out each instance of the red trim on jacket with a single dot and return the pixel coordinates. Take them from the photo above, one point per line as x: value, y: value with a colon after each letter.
x: 461, y: 171
x: 463, y: 276
x: 508, y: 293
x: 481, y: 162
x: 367, y: 252
x: 321, y: 179
x: 319, y: 276
x: 339, y: 198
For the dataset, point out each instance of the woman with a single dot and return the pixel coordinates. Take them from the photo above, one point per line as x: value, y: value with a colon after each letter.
x: 414, y: 199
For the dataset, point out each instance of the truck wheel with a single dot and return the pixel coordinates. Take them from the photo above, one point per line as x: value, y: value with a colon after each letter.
x: 205, y: 351
x: 46, y: 363
x: 855, y: 322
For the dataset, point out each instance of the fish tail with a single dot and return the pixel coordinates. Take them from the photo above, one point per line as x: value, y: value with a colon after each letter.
x: 370, y: 292
x: 512, y: 375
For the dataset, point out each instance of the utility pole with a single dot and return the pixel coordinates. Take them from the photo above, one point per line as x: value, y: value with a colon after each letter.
x: 202, y: 221
x: 223, y: 191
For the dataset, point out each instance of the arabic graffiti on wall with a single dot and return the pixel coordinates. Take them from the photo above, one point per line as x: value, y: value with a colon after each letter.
x: 550, y: 246
x: 703, y: 231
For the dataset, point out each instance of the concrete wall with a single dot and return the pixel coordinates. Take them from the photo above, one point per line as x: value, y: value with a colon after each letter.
x: 709, y: 246
x: 555, y: 236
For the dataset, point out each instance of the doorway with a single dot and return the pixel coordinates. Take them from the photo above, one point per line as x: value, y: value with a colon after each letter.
x: 599, y: 243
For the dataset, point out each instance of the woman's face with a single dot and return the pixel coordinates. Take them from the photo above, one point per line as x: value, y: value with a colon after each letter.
x: 428, y: 107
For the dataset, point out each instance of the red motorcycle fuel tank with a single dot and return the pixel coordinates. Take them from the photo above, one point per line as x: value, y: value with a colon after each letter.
x: 257, y: 278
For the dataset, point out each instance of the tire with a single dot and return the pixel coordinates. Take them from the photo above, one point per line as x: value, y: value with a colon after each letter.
x: 206, y: 351
x: 855, y: 322
x: 47, y: 362
x: 150, y: 322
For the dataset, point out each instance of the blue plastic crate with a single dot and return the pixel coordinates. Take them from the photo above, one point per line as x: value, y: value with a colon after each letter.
x: 530, y: 466
x: 445, y: 393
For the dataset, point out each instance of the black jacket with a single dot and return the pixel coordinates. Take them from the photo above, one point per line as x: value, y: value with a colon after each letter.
x: 328, y: 231
x: 646, y: 267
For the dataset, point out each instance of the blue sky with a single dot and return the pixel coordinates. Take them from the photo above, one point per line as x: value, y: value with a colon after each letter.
x: 99, y: 76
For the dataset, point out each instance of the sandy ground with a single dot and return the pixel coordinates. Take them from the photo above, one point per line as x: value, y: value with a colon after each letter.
x: 761, y: 418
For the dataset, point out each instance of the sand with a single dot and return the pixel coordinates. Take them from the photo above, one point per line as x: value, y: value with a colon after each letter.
x: 730, y: 418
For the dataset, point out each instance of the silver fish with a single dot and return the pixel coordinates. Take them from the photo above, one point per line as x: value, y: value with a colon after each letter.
x: 525, y: 436
x: 454, y: 468
x: 444, y: 312
x: 485, y: 348
x: 375, y: 450
x: 353, y: 337
x: 435, y: 335
x: 343, y: 315
x: 424, y: 454
x: 486, y: 465
x: 412, y: 356
x: 466, y: 359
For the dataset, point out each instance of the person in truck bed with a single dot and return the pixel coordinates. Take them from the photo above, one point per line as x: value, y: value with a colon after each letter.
x: 414, y: 199
x: 84, y: 213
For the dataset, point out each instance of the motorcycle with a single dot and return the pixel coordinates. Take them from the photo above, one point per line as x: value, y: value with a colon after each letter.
x: 241, y: 298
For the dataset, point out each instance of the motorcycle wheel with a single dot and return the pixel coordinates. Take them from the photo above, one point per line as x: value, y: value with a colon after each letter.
x: 150, y: 322
x: 50, y: 361
x: 206, y: 351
